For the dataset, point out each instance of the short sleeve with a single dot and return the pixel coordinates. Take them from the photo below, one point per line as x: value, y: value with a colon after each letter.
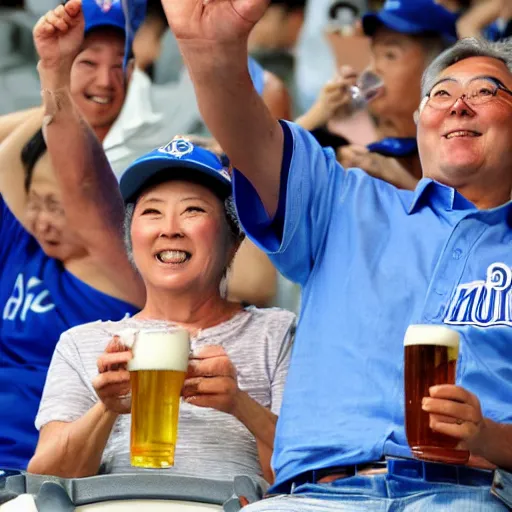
x: 281, y: 360
x: 311, y: 183
x: 67, y: 395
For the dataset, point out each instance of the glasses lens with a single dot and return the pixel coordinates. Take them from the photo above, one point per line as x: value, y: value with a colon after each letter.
x: 445, y: 94
x: 480, y: 91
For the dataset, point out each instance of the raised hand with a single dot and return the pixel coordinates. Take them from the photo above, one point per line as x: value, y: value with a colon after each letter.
x: 211, y: 381
x: 213, y: 21
x: 59, y: 34
x: 334, y: 98
x: 112, y: 384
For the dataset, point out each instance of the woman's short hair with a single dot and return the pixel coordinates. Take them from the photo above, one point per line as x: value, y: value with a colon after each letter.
x: 32, y: 151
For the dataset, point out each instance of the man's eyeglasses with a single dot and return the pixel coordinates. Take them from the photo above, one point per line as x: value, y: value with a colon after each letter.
x: 476, y: 92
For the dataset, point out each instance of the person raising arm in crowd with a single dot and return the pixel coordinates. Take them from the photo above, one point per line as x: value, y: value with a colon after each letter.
x: 371, y: 260
x: 379, y: 129
x: 55, y: 273
x: 182, y: 234
x: 481, y: 18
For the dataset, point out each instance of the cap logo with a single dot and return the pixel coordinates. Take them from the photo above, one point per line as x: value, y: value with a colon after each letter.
x: 106, y: 5
x: 225, y: 174
x: 177, y: 148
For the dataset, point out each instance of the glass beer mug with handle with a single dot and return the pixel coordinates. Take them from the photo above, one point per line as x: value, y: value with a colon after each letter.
x: 157, y: 373
x: 431, y: 353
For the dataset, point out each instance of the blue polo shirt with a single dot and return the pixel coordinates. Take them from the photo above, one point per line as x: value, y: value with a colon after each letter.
x: 372, y: 259
x: 39, y: 300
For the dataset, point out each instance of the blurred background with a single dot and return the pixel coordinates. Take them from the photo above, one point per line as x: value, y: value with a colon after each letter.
x: 296, y: 40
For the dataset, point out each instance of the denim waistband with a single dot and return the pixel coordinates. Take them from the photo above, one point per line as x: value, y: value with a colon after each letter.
x: 408, y: 468
x: 440, y: 473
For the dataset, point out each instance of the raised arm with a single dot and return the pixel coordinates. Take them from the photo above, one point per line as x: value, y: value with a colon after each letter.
x: 12, y: 172
x: 9, y: 122
x: 473, y: 22
x: 90, y: 192
x: 212, y: 35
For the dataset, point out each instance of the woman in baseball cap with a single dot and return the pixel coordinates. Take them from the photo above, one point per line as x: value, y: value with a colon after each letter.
x: 181, y: 234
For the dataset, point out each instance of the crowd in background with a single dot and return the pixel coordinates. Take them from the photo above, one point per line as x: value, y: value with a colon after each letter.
x: 349, y: 73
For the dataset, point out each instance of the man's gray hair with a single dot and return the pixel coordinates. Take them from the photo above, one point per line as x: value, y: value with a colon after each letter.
x: 465, y: 49
x: 235, y: 227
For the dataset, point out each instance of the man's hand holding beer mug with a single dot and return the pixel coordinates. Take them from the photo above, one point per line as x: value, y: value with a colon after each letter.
x: 444, y: 422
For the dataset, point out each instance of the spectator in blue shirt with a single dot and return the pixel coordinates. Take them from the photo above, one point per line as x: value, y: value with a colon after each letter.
x: 405, y: 37
x: 372, y: 259
x: 55, y: 272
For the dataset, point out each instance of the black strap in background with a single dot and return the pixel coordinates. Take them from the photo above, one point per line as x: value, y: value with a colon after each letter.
x: 326, y: 139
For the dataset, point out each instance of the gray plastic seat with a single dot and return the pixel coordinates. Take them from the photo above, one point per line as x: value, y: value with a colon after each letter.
x: 127, y: 492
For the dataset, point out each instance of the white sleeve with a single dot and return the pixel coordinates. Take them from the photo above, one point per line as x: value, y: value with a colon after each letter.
x: 67, y: 394
x: 282, y: 361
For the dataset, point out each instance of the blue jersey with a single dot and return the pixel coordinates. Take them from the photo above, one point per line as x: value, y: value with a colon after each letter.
x: 39, y: 300
x: 372, y: 259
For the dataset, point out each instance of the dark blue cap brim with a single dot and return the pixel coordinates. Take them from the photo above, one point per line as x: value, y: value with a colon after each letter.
x: 372, y: 21
x: 446, y: 29
x: 158, y: 170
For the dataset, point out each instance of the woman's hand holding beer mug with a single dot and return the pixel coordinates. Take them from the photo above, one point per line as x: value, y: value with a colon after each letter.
x: 112, y: 384
x: 211, y: 380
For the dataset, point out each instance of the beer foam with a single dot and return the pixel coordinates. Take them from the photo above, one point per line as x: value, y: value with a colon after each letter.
x: 127, y: 337
x: 162, y: 349
x: 431, y: 335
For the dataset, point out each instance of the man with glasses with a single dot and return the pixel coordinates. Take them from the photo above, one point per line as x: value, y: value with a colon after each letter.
x: 372, y: 259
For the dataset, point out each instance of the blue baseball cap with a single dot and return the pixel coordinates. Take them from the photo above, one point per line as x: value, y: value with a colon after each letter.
x: 103, y: 13
x: 413, y: 17
x: 125, y: 15
x: 178, y: 160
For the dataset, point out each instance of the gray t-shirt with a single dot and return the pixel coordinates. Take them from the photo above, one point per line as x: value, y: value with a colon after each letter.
x: 211, y: 444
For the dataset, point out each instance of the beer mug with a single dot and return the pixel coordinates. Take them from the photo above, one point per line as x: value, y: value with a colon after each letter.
x: 431, y: 353
x: 157, y: 373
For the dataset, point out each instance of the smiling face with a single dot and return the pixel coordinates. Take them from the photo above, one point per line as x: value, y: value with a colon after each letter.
x: 97, y: 78
x: 399, y: 60
x: 464, y: 143
x: 46, y: 219
x: 181, y: 239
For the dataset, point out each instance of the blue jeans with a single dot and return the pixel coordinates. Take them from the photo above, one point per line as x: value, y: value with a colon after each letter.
x: 383, y: 493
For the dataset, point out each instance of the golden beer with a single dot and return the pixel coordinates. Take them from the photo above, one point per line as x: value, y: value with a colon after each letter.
x: 157, y: 372
x: 431, y: 353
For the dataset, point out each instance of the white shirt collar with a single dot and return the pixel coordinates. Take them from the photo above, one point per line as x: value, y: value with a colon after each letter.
x: 136, y: 112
